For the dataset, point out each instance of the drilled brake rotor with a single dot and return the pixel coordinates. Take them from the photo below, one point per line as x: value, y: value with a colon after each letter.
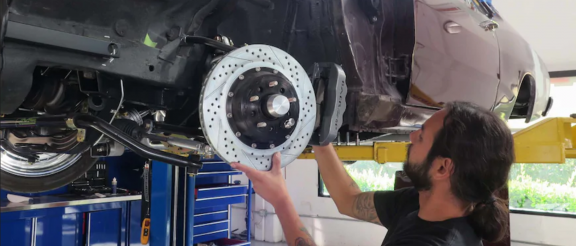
x: 256, y: 101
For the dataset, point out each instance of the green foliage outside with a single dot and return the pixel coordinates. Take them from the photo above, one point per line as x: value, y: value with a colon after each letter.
x: 548, y: 187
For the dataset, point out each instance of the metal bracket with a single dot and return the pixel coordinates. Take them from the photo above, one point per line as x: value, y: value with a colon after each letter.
x: 39, y: 35
x: 548, y: 141
x: 398, y: 67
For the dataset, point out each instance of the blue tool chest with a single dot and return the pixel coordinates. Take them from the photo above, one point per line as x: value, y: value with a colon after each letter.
x: 214, y: 193
x: 194, y: 208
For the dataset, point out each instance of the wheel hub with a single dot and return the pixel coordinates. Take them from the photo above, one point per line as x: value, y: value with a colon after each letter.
x: 258, y: 106
x: 277, y: 105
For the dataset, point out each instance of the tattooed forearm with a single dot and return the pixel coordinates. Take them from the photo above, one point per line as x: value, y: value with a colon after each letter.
x: 304, y: 241
x: 354, y: 185
x: 363, y: 208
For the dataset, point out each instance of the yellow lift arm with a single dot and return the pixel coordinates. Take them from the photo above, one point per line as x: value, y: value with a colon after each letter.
x: 549, y: 141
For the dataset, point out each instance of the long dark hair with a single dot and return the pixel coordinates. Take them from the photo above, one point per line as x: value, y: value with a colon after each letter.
x: 481, y: 147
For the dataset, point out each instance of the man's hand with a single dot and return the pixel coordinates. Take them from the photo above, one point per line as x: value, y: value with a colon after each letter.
x: 270, y: 185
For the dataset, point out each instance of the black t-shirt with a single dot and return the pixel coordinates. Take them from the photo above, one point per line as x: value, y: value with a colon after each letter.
x: 398, y: 212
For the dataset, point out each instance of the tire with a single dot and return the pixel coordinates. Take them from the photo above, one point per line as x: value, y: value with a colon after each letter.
x: 15, y: 183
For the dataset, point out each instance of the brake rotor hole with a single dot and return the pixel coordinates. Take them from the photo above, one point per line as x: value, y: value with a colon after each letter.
x: 282, y: 90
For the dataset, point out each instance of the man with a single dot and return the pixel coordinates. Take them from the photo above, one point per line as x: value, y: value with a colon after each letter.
x: 457, y: 161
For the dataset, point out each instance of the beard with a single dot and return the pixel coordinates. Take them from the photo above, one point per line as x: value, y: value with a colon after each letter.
x: 417, y: 172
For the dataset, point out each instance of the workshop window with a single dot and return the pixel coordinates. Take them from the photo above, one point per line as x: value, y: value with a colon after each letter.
x: 543, y: 187
x: 549, y: 189
x: 369, y: 175
x: 533, y: 188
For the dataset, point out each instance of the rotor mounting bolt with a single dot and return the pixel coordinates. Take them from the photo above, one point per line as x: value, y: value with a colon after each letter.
x: 229, y: 115
x: 254, y: 145
x: 273, y: 83
x: 287, y: 136
x: 238, y: 134
x: 275, y: 71
x: 289, y: 123
x: 241, y: 77
x: 230, y: 94
x: 272, y: 146
x: 254, y: 98
x: 292, y: 99
x: 258, y: 69
x: 261, y: 124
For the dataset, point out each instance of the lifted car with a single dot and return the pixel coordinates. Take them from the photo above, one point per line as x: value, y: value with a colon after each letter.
x: 241, y: 78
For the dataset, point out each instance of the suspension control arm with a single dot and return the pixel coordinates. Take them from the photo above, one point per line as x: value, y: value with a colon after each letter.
x: 89, y: 121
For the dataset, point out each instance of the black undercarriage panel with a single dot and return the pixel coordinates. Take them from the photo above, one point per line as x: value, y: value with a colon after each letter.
x: 369, y: 39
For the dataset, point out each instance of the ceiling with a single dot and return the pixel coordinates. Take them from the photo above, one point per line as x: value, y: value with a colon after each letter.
x: 548, y: 25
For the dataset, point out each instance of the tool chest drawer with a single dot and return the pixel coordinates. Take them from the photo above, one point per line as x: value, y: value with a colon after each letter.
x: 216, y: 166
x: 220, y: 190
x: 210, y: 217
x: 201, y: 238
x: 216, y: 201
x: 211, y: 227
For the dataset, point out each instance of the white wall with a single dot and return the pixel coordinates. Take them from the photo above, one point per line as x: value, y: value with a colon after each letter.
x: 328, y: 227
x: 547, y: 25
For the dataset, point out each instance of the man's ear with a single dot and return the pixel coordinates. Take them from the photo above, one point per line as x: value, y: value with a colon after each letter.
x: 443, y: 168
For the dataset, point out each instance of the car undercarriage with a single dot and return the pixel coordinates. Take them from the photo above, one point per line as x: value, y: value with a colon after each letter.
x: 179, y: 80
x: 82, y: 80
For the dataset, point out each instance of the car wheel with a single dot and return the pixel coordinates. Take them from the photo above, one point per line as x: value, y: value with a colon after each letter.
x: 50, y: 172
